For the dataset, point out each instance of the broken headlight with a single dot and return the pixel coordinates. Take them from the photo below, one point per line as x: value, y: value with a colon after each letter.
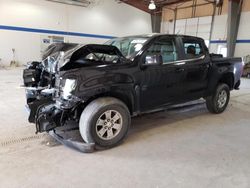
x: 68, y: 87
x: 49, y: 64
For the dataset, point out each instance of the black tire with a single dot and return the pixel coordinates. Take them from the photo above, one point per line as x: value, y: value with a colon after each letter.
x: 98, y: 109
x: 212, y: 102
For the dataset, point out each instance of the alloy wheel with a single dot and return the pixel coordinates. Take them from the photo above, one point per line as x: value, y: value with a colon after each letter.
x: 109, y: 124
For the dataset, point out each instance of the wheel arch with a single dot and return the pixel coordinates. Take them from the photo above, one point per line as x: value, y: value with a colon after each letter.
x: 126, y: 97
x: 227, y: 78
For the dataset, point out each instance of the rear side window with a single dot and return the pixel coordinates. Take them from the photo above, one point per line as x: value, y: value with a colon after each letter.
x: 193, y: 48
x: 164, y: 47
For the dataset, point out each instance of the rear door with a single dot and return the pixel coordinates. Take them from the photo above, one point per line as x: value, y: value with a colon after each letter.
x: 196, y: 67
x: 161, y: 84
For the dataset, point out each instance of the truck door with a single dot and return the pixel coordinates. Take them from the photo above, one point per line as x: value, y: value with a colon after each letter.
x: 161, y: 75
x: 197, y: 62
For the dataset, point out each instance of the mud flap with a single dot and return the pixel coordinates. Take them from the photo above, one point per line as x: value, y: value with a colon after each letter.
x: 76, y: 145
x: 237, y: 85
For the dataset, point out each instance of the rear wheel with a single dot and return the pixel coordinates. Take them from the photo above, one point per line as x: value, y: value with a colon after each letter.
x: 218, y: 102
x: 105, y: 122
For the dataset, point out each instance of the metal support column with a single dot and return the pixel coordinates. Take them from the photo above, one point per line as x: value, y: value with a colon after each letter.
x: 234, y: 13
x: 212, y: 24
x: 175, y: 18
x: 156, y: 19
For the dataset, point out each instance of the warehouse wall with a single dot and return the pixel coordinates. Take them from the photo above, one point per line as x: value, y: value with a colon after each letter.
x: 220, y: 33
x: 201, y: 26
x: 102, y: 20
x: 200, y: 11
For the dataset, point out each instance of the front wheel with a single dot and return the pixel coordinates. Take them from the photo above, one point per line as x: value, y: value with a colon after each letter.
x: 218, y: 102
x: 105, y: 122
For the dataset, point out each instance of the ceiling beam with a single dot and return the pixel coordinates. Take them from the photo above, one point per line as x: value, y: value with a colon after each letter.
x: 143, y: 4
x: 137, y: 4
x: 82, y: 3
x: 170, y: 2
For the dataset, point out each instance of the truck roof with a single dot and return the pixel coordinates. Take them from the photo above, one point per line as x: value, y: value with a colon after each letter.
x: 152, y: 35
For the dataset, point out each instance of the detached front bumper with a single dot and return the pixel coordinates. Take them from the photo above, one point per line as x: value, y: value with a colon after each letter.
x: 72, y: 143
x: 34, y: 102
x: 47, y: 113
x: 49, y: 117
x: 40, y: 109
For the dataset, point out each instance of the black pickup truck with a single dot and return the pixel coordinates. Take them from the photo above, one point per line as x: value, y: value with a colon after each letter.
x: 101, y: 87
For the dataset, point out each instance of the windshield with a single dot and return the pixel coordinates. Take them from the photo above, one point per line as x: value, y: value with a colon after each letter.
x: 128, y: 46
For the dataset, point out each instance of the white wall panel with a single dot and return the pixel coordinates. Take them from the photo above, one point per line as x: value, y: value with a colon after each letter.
x: 193, y: 26
x: 167, y: 27
x: 105, y: 17
x: 220, y: 33
x: 180, y: 27
x: 244, y: 28
x: 243, y: 49
x: 26, y: 45
x: 220, y: 28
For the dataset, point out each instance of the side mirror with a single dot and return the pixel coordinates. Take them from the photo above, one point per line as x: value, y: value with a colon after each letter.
x: 153, y: 60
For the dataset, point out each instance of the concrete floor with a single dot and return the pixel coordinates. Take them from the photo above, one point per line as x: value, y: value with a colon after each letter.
x: 188, y: 147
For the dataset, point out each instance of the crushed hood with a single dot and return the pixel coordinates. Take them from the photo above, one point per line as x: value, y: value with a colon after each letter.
x: 57, y: 47
x: 73, y: 52
x: 84, y: 50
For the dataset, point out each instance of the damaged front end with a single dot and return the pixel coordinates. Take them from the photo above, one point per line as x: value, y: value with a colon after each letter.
x: 53, y: 95
x: 48, y: 93
x: 62, y: 108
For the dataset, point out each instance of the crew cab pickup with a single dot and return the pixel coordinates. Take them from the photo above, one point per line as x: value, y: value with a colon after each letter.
x: 101, y: 87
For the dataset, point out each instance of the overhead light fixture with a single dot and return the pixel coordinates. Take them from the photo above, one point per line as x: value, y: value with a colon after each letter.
x: 152, y: 5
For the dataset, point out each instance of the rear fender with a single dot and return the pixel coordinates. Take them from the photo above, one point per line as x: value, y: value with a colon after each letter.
x: 216, y: 77
x: 223, y: 74
x: 228, y: 78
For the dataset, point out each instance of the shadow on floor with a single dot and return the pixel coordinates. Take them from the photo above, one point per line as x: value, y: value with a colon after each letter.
x: 142, y: 124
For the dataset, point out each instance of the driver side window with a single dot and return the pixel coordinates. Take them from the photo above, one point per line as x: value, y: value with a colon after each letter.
x: 164, y: 47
